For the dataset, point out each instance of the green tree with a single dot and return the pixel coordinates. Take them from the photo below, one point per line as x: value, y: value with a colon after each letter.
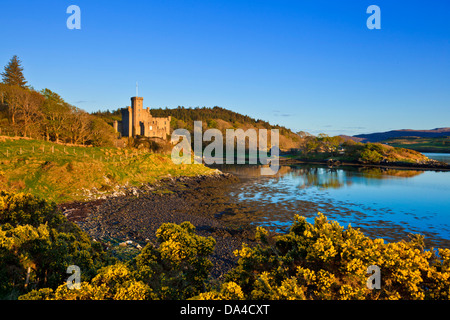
x: 372, y: 153
x: 371, y: 156
x: 100, y: 133
x: 13, y: 74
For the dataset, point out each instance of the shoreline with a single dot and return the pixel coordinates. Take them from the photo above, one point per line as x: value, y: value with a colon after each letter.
x: 392, y: 165
x: 135, y: 217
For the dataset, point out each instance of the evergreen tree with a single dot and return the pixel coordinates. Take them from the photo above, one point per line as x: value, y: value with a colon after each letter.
x: 13, y: 74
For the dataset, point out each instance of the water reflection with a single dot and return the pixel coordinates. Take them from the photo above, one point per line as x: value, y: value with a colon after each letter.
x: 383, y: 203
x: 324, y: 177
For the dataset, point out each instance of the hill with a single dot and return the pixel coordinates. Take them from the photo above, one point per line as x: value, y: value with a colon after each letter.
x: 323, y: 148
x: 382, y: 136
x: 439, y: 144
x: 216, y: 117
x: 61, y: 173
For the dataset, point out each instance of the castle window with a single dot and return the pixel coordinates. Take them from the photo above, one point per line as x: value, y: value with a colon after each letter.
x: 151, y: 128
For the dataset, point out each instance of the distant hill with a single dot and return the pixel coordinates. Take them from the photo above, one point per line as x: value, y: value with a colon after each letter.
x: 382, y: 136
x: 352, y: 138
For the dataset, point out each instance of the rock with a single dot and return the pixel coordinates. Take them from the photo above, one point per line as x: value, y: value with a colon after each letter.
x: 195, y: 199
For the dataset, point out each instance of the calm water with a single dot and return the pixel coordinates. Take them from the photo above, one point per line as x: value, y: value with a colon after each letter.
x: 444, y: 157
x: 388, y: 204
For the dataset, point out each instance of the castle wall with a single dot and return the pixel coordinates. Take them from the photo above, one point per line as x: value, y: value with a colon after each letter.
x: 126, y: 122
x: 138, y: 121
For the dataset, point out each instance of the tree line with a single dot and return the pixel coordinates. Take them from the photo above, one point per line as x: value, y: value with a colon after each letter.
x: 184, y: 118
x: 44, y: 114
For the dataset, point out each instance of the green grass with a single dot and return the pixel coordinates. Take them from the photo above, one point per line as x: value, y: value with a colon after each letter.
x: 441, y: 144
x: 60, y: 173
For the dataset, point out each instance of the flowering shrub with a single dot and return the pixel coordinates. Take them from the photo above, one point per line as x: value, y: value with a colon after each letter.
x: 313, y: 261
x: 324, y: 261
x: 177, y: 269
x: 228, y: 291
x: 24, y: 208
x: 37, y: 244
x: 114, y: 282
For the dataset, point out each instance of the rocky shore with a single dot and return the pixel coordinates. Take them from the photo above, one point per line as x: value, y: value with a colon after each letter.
x: 132, y: 215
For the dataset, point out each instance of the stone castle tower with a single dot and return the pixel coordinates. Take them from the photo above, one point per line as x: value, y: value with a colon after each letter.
x: 138, y: 121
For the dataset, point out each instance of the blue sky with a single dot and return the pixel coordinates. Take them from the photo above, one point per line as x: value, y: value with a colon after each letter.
x: 307, y: 65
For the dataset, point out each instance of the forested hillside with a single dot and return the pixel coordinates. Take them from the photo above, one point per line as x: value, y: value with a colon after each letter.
x: 216, y: 117
x: 45, y: 115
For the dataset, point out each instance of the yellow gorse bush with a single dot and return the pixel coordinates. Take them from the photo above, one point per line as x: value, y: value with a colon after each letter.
x: 322, y: 260
x: 38, y: 243
x: 177, y: 269
x: 325, y: 261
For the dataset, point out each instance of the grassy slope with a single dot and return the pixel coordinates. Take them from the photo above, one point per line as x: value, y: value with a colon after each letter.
x: 422, y: 144
x: 61, y: 175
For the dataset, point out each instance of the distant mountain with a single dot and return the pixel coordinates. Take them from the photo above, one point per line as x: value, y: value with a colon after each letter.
x: 381, y: 136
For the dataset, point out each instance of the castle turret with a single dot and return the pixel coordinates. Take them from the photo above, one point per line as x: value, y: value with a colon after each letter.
x: 137, y: 102
x: 137, y: 115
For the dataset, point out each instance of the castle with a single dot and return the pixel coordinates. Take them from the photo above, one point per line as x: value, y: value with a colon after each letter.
x: 138, y: 121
